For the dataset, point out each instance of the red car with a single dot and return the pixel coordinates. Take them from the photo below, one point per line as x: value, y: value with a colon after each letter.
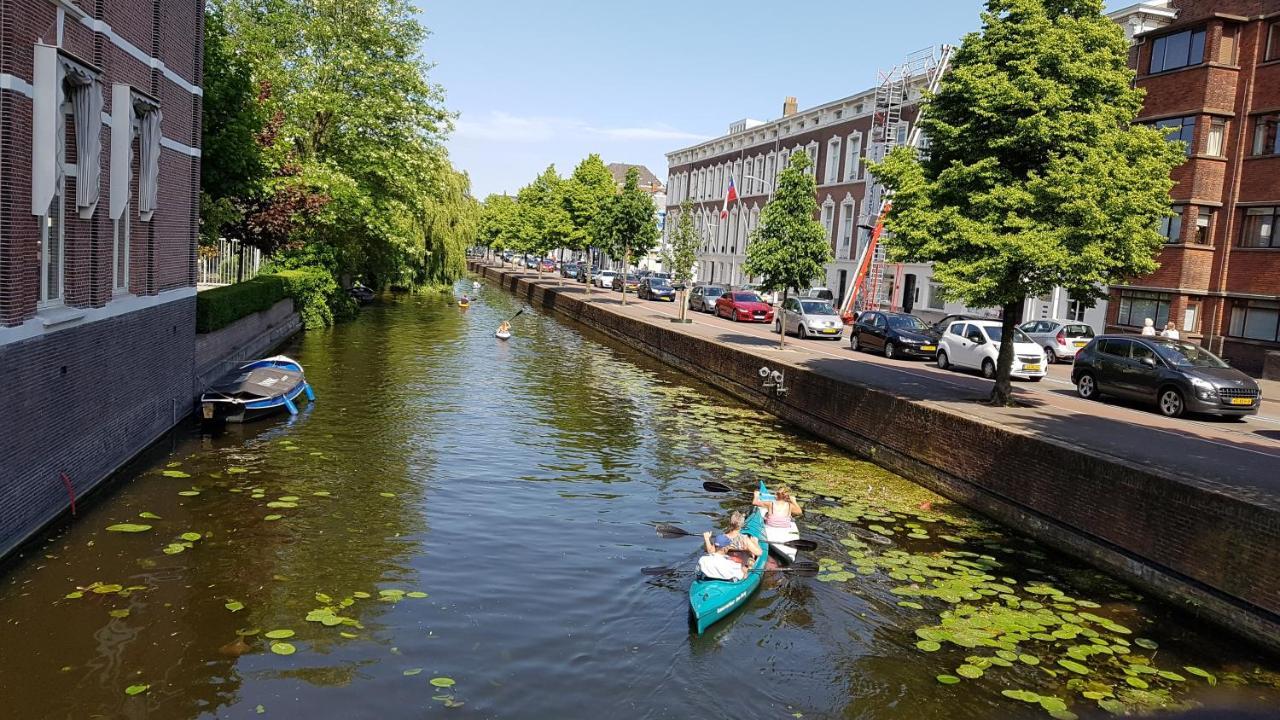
x: 744, y: 307
x: 548, y: 266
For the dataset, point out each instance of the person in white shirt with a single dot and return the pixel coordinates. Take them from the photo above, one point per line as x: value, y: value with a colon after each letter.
x: 1148, y: 328
x: 717, y: 564
x: 1170, y: 331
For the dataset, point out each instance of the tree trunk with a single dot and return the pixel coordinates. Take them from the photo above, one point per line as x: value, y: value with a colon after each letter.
x: 684, y: 302
x: 626, y: 263
x: 782, y: 322
x: 1002, y: 392
x: 590, y: 267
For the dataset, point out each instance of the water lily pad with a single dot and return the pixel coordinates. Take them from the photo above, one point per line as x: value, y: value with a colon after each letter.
x: 234, y: 605
x: 1029, y: 659
x: 136, y: 689
x: 928, y: 646
x: 191, y: 536
x: 281, y: 634
x: 128, y: 528
x: 289, y: 498
x: 1023, y: 695
x: 972, y: 672
x: 248, y: 632
x: 1208, y: 676
x: 443, y: 682
x: 1007, y: 654
x: 283, y: 648
x: 272, y: 518
x: 387, y: 494
x: 107, y: 589
x: 175, y: 474
x: 121, y: 613
x: 349, y: 636
x: 412, y: 671
x: 237, y: 470
x: 1052, y: 704
x: 1113, y: 706
x: 173, y: 548
x: 282, y: 505
x: 331, y: 620
x: 948, y: 679
x: 189, y: 493
x: 361, y: 594
x: 322, y: 493
x: 148, y: 516
x: 73, y: 595
x: 1063, y: 715
x: 1137, y: 682
x: 1146, y: 643
x: 415, y: 594
x: 1074, y: 666
x: 321, y: 597
x: 1170, y: 675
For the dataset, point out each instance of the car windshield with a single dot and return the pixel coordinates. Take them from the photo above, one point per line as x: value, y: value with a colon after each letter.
x: 906, y: 322
x: 1183, y: 354
x: 746, y: 297
x: 632, y: 278
x: 659, y: 283
x: 816, y: 307
x: 995, y: 332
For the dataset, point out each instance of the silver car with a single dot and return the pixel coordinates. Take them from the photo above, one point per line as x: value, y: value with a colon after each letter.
x: 807, y: 317
x: 703, y: 297
x: 1061, y: 339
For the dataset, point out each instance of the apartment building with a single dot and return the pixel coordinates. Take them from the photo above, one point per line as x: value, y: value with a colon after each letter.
x: 100, y: 107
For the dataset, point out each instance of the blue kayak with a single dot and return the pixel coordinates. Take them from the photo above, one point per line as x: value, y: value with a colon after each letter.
x: 711, y: 600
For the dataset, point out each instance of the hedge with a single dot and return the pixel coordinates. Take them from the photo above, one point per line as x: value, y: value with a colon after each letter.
x: 316, y: 297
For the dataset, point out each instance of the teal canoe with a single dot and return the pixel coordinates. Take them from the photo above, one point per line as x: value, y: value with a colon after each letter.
x: 712, y: 600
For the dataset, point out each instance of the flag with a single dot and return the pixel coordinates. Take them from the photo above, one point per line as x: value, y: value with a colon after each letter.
x: 728, y: 198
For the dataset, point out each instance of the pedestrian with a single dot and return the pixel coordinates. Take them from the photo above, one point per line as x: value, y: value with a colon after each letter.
x: 1148, y: 328
x: 1170, y: 331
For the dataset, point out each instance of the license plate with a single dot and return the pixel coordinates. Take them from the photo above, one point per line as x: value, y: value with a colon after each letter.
x: 830, y: 331
x: 1079, y: 344
x: 928, y: 348
x: 1241, y: 401
x: 207, y: 410
x: 1031, y: 368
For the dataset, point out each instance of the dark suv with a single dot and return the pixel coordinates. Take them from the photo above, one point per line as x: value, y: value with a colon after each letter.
x: 1177, y: 376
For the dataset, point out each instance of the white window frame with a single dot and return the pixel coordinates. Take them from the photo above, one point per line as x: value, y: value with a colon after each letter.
x: 847, y: 221
x: 833, y: 161
x: 732, y: 231
x: 828, y: 216
x: 812, y: 151
x: 120, y: 260
x: 853, y: 157
x: 57, y: 211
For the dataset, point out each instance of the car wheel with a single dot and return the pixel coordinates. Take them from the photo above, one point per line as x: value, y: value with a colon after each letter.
x: 854, y: 345
x: 890, y: 351
x: 943, y: 362
x: 1171, y: 403
x: 803, y: 334
x: 777, y: 326
x: 988, y: 369
x: 1050, y: 357
x: 1087, y: 387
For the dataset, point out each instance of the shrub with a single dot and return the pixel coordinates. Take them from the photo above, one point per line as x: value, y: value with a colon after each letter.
x: 219, y: 307
x: 317, y: 297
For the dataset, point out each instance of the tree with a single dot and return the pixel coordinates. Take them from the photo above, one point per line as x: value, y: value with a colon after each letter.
x: 542, y: 221
x: 682, y: 252
x: 498, y: 229
x: 1036, y: 176
x: 587, y: 192
x: 630, y: 224
x: 790, y: 247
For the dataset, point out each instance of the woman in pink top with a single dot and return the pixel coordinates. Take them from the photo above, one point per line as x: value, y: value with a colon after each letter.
x: 780, y: 510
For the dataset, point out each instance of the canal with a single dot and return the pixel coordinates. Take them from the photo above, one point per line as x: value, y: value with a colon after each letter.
x: 456, y: 527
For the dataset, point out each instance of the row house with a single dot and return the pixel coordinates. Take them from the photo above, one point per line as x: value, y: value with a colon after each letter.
x: 100, y: 105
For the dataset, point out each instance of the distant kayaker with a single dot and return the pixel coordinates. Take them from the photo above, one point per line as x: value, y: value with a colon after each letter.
x: 504, y: 328
x: 781, y: 510
x: 717, y: 564
x: 740, y: 542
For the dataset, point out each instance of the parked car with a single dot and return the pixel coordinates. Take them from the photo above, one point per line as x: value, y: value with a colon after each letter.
x: 656, y: 288
x: 1177, y: 376
x: 809, y: 318
x: 703, y: 297
x: 819, y: 293
x: 530, y: 262
x: 941, y: 326
x: 976, y: 344
x: 740, y: 306
x: 583, y: 273
x: 1060, y: 339
x: 633, y: 282
x: 771, y: 298
x: 569, y: 270
x: 547, y: 265
x: 894, y: 334
x: 604, y: 279
x: 507, y: 255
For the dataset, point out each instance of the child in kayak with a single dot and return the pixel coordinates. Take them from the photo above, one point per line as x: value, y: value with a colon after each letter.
x: 717, y: 563
x: 780, y: 510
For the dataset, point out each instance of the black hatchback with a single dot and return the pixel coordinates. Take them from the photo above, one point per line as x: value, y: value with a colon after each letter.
x: 894, y: 334
x: 1177, y: 376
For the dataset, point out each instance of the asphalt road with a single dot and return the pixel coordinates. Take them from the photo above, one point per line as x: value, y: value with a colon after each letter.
x: 1239, y: 457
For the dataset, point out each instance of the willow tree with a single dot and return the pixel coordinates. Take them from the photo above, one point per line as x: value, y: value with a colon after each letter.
x: 1036, y: 176
x: 790, y: 247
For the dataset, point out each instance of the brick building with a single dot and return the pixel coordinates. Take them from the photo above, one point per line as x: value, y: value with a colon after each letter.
x: 100, y: 105
x: 1211, y: 69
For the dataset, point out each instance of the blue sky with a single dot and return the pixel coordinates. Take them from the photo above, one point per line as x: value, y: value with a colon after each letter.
x: 553, y: 80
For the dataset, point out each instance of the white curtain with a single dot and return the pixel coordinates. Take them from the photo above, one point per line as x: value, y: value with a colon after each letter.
x: 86, y: 110
x: 149, y: 160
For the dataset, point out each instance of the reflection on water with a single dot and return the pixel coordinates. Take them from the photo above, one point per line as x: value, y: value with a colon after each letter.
x: 457, y: 525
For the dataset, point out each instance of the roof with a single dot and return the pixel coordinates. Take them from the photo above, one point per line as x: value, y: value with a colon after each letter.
x: 647, y: 178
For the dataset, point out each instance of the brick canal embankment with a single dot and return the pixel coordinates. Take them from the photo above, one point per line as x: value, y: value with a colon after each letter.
x: 1208, y: 547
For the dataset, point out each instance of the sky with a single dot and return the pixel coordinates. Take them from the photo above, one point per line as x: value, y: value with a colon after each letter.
x: 549, y: 81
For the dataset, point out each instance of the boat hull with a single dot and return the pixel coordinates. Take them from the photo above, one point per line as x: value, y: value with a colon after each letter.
x: 245, y: 399
x: 712, y: 600
x: 502, y: 335
x: 784, y: 553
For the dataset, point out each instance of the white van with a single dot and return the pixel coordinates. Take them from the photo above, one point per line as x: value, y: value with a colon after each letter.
x: 976, y: 344
x: 819, y: 293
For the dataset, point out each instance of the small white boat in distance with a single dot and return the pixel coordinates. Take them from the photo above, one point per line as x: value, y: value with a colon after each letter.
x: 502, y: 335
x: 475, y: 284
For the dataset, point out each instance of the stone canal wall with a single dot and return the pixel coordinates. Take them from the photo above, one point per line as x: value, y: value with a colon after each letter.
x: 249, y: 338
x: 1204, y: 550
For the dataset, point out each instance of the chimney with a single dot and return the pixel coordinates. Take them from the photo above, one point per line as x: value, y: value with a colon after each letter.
x: 788, y: 106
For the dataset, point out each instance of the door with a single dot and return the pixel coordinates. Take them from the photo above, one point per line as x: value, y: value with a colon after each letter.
x: 873, y: 338
x: 1113, y: 354
x: 844, y: 277
x: 972, y: 344
x: 908, y: 292
x: 1142, y: 372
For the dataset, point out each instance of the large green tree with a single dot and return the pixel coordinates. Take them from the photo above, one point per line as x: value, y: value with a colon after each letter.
x: 1036, y: 176
x: 682, y: 251
x: 790, y: 248
x: 498, y: 230
x: 543, y: 224
x: 629, y: 226
x: 586, y: 195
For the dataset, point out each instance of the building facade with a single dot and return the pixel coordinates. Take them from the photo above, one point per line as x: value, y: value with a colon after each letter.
x: 1211, y: 71
x: 100, y: 106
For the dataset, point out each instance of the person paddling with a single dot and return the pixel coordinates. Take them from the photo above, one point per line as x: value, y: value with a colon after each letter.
x: 717, y: 564
x: 504, y: 328
x: 739, y: 542
x: 780, y: 511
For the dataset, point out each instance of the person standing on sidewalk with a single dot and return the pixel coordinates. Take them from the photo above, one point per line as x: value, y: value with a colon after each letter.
x: 1148, y: 328
x: 1170, y: 331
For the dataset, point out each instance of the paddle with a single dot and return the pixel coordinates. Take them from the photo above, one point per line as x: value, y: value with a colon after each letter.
x: 715, y: 487
x: 513, y: 317
x: 672, y: 531
x: 800, y: 567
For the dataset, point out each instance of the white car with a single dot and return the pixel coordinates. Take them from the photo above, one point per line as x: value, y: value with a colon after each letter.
x: 975, y: 344
x: 604, y: 279
x: 810, y: 318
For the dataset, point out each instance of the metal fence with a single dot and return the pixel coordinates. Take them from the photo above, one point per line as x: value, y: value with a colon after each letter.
x: 224, y: 265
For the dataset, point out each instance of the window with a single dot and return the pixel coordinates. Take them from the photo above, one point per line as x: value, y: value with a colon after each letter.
x: 1213, y: 144
x: 853, y: 158
x: 1190, y: 318
x: 1266, y: 141
x: 959, y: 329
x: 120, y: 252
x: 1177, y: 50
x: 1204, y: 226
x: 812, y: 151
x: 1182, y: 129
x: 759, y: 173
x: 833, y: 160
x: 1076, y: 309
x: 1273, y: 42
x: 768, y: 174
x: 846, y: 230
x: 904, y: 128
x: 52, y: 250
x: 828, y: 217
x: 1171, y: 227
x: 1138, y: 305
x: 1255, y: 320
x: 936, y: 301
x: 1114, y: 346
x: 1260, y: 227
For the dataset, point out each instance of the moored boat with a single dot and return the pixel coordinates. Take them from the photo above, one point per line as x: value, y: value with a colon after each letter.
x: 711, y: 600
x: 260, y: 388
x: 785, y: 553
